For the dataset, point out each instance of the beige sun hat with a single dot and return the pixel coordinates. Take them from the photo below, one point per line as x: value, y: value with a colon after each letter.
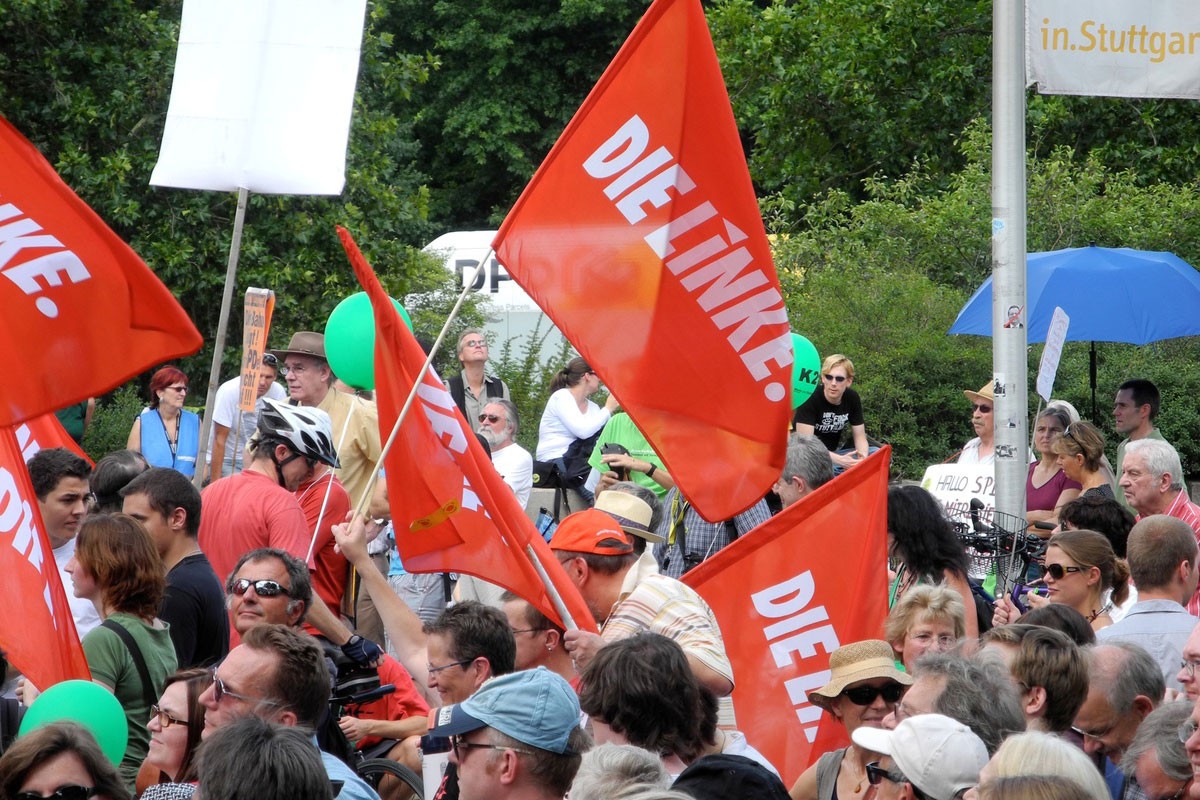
x: 858, y: 661
x: 633, y: 513
x: 983, y: 394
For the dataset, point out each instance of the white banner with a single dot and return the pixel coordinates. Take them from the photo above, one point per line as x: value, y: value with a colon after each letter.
x: 262, y: 96
x: 1052, y: 352
x: 1114, y: 48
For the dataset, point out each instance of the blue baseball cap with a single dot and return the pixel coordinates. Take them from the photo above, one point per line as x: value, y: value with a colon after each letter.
x: 536, y: 707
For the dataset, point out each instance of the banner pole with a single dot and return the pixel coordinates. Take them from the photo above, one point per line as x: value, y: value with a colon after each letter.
x: 214, y: 375
x: 387, y: 446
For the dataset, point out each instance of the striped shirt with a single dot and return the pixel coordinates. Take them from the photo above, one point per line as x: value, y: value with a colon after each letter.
x: 1183, y: 508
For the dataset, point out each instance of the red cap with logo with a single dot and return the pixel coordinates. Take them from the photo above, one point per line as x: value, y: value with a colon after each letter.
x: 591, y: 531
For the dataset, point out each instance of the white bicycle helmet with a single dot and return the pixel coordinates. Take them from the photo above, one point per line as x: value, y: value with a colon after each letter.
x: 305, y: 429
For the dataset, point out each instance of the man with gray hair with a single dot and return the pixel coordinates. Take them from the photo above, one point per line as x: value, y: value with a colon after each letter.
x: 807, y: 467
x: 1124, y: 686
x: 1156, y: 757
x: 1162, y: 561
x: 473, y: 388
x: 976, y: 692
x: 499, y: 423
x: 1152, y: 479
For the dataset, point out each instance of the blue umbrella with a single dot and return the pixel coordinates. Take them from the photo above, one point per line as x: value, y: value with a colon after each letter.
x: 1109, y: 294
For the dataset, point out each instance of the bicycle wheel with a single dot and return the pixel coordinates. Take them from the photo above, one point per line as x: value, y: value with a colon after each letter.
x: 406, y: 786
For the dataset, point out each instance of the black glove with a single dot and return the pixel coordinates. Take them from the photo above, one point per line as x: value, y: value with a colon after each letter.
x: 362, y: 651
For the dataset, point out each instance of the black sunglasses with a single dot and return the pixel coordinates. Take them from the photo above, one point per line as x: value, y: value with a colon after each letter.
x: 1058, y: 571
x: 982, y: 408
x: 270, y: 360
x: 865, y: 695
x: 262, y: 588
x: 69, y: 792
x: 835, y: 378
x: 876, y: 773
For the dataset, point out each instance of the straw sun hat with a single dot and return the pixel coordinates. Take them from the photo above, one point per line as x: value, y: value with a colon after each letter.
x: 858, y: 661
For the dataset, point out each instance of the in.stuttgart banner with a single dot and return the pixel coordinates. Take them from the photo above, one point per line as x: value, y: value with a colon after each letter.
x: 82, y: 312
x: 1114, y: 48
x: 451, y: 510
x: 37, y: 631
x: 789, y: 593
x: 640, y: 236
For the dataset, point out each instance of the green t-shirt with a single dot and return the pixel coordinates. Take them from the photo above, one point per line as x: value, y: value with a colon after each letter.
x: 112, y: 665
x: 621, y: 430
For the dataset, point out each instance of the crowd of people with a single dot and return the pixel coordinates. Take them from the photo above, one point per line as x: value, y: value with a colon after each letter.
x: 235, y: 624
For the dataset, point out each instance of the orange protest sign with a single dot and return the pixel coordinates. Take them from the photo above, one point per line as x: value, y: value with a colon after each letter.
x: 259, y: 305
x: 789, y: 593
x: 640, y: 236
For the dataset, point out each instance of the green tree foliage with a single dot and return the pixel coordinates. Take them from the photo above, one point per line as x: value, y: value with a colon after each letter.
x: 883, y: 280
x: 511, y: 75
x: 89, y: 82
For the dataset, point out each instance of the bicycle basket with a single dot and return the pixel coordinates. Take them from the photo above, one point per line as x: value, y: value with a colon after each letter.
x: 997, y: 544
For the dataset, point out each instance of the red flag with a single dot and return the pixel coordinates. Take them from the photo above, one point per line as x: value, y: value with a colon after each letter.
x: 456, y: 514
x: 788, y: 594
x: 47, y: 433
x: 82, y: 312
x: 641, y: 237
x: 37, y: 631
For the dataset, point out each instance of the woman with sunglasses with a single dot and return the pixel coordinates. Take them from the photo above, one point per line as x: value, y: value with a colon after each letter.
x: 1047, y: 486
x: 116, y: 565
x: 864, y: 687
x: 60, y: 760
x: 175, y: 725
x: 829, y: 412
x: 166, y: 434
x: 1080, y: 454
x: 1081, y: 571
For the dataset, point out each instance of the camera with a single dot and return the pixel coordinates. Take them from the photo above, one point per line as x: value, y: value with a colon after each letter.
x: 622, y: 473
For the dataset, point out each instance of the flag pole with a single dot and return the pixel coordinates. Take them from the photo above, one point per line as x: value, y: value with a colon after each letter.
x: 551, y: 590
x: 412, y: 394
x: 214, y: 375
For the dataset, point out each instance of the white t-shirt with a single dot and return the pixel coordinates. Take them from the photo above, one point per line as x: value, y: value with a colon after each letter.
x: 241, y: 424
x: 82, y: 609
x: 562, y: 423
x: 970, y: 454
x: 515, y: 465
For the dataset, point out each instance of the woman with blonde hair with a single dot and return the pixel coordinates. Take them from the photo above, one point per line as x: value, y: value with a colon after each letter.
x: 1081, y: 570
x: 1032, y: 787
x: 928, y: 619
x: 1080, y: 453
x: 1038, y: 753
x: 831, y: 409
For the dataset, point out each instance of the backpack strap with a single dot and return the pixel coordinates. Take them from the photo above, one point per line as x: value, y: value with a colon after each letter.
x: 493, y: 387
x: 459, y: 393
x: 136, y: 654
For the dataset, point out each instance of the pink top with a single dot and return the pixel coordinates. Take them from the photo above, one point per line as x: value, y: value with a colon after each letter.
x: 1045, y: 497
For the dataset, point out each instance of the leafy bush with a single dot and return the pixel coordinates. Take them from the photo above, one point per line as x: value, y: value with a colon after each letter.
x: 527, y: 370
x: 112, y: 421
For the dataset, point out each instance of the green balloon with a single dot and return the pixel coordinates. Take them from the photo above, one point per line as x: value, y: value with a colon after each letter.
x: 88, y: 704
x: 806, y: 369
x: 350, y: 340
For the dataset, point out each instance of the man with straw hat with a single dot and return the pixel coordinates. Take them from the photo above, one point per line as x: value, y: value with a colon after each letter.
x: 864, y: 687
x: 981, y: 449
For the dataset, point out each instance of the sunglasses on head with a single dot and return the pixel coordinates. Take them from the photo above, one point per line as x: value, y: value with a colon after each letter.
x: 262, y: 588
x: 1058, y: 571
x: 836, y: 378
x: 68, y: 792
x: 270, y: 360
x: 865, y: 695
x: 982, y: 408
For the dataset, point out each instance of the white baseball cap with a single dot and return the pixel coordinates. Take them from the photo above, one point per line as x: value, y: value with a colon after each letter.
x: 938, y: 755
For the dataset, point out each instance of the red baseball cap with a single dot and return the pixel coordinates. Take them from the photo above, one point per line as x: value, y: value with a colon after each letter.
x: 591, y: 531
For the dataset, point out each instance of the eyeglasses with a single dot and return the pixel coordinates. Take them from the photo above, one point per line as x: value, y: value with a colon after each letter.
x: 1100, y: 734
x: 1058, y: 571
x: 220, y: 692
x: 459, y: 745
x: 492, y: 418
x: 1186, y: 731
x: 927, y: 639
x: 876, y: 773
x: 1190, y: 667
x: 836, y: 378
x: 180, y: 389
x: 311, y: 462
x: 262, y: 588
x: 982, y: 408
x: 1182, y: 793
x: 164, y: 717
x: 475, y: 343
x: 432, y: 670
x: 298, y: 369
x: 865, y: 695
x: 68, y: 792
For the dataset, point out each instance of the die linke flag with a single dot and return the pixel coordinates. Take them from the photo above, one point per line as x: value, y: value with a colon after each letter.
x: 789, y: 593
x: 640, y: 236
x: 37, y: 631
x: 82, y: 312
x: 451, y: 510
